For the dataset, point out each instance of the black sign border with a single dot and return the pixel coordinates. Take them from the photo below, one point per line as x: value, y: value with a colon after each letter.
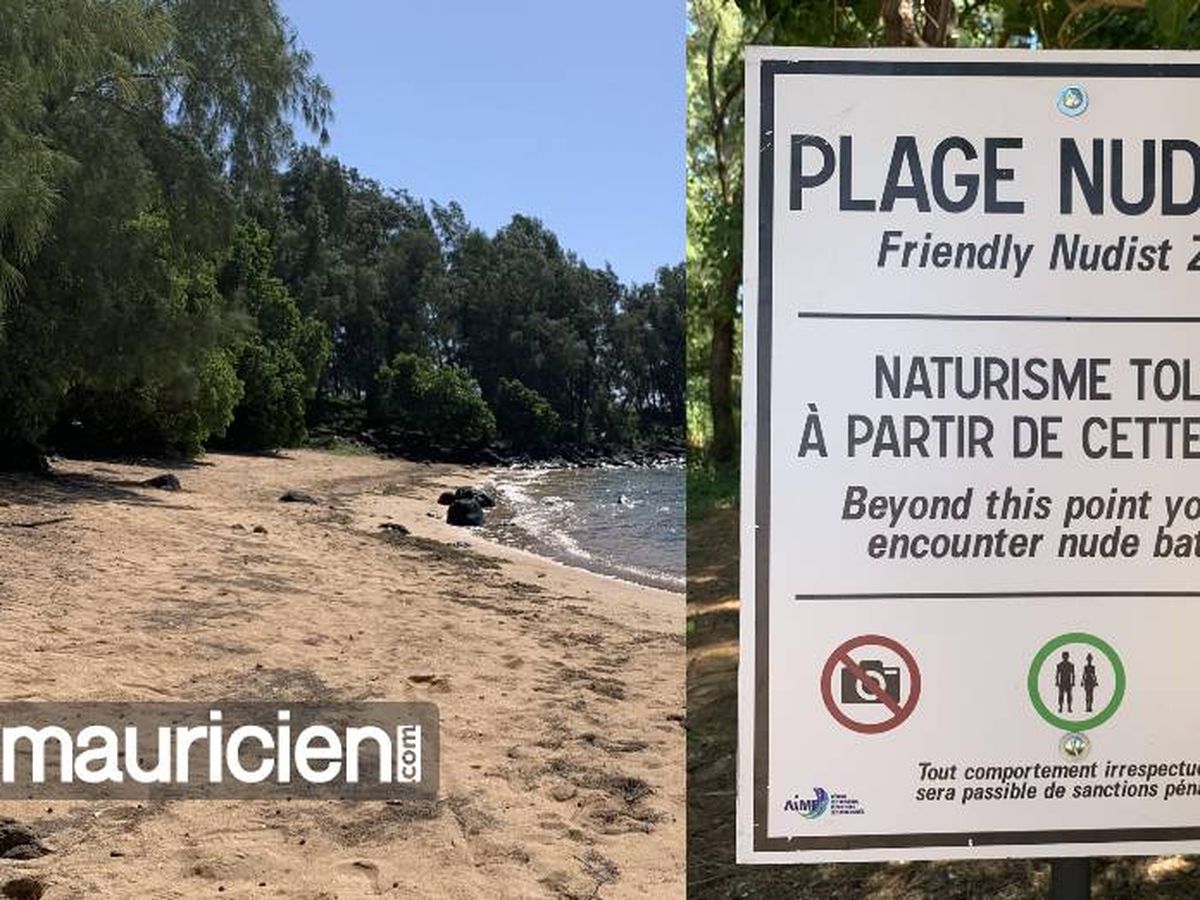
x: 769, y: 70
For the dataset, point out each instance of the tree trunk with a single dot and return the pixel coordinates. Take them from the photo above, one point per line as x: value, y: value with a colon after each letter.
x: 720, y: 385
x: 941, y: 18
x: 900, y: 23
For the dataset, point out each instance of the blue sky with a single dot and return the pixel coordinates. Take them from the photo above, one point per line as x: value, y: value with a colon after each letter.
x: 568, y: 110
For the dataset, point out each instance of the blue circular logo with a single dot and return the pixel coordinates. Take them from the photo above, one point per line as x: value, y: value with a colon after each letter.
x: 1072, y: 101
x: 810, y: 809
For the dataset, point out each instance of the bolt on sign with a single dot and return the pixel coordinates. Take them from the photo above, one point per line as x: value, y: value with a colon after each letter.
x: 971, y: 510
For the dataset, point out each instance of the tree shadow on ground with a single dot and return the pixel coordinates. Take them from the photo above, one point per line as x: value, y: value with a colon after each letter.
x: 65, y: 489
x: 711, y: 759
x: 244, y: 454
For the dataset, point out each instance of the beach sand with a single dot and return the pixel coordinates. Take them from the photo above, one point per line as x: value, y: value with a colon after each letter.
x: 561, y: 692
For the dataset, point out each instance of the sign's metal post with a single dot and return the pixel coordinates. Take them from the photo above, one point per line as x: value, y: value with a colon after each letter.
x: 1071, y: 879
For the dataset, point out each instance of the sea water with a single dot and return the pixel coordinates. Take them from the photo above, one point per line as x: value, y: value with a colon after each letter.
x: 625, y: 522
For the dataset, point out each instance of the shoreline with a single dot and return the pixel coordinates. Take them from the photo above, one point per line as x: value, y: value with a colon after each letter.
x: 545, y: 559
x: 478, y: 539
x: 561, y: 690
x: 503, y: 521
x: 664, y: 453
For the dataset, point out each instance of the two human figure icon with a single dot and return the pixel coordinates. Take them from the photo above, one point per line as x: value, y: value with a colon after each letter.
x: 1064, y: 680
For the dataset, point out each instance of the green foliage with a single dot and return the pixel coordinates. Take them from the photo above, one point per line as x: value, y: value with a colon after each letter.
x: 710, y: 487
x: 441, y: 403
x: 364, y: 261
x: 717, y: 33
x: 340, y: 446
x: 175, y: 416
x: 524, y: 417
x: 246, y: 76
x: 137, y: 315
x: 388, y: 277
x: 52, y: 55
x: 212, y: 408
x: 271, y: 414
x: 127, y: 131
x: 281, y: 363
x: 1171, y: 20
x: 647, y: 368
x: 715, y: 115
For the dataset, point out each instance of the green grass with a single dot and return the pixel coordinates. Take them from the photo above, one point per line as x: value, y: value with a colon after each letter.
x: 340, y: 446
x: 710, y: 488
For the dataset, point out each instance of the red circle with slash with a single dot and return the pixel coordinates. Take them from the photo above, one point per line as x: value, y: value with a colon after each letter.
x: 841, y: 656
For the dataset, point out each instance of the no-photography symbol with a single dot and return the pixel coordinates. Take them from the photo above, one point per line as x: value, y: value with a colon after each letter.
x: 852, y: 679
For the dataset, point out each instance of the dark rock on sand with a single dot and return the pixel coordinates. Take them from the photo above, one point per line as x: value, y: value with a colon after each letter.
x: 294, y: 496
x: 394, y: 528
x: 465, y: 512
x: 25, y: 851
x: 23, y: 888
x: 166, y: 482
x: 447, y: 497
x: 470, y: 493
x: 484, y: 500
x: 17, y: 841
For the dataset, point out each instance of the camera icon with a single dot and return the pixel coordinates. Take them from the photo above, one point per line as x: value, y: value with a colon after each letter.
x: 886, y: 677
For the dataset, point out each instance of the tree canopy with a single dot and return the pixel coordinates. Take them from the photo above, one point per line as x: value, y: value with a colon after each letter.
x: 176, y: 271
x: 717, y: 34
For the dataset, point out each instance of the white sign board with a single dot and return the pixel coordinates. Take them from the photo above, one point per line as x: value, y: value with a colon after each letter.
x: 971, y: 503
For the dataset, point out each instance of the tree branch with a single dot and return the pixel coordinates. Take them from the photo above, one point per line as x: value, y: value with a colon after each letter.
x: 718, y: 116
x: 36, y: 524
x: 900, y: 23
x: 1078, y: 9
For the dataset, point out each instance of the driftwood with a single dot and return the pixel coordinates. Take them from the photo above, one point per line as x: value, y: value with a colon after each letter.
x: 36, y: 524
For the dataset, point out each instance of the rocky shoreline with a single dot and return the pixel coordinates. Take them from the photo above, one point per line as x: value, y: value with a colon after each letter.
x: 663, y: 453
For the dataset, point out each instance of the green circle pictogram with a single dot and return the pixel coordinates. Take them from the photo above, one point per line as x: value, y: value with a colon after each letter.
x: 1035, y: 668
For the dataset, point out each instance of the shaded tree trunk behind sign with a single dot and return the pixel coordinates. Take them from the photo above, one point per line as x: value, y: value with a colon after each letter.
x: 720, y: 383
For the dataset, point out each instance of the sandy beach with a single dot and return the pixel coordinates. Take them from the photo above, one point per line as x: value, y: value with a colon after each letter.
x: 561, y: 692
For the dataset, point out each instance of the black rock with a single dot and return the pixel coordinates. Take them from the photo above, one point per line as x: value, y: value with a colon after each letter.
x: 394, y: 527
x: 25, y: 851
x: 166, y: 482
x: 23, y: 888
x: 466, y: 493
x: 294, y: 496
x: 472, y: 493
x: 18, y: 842
x: 465, y: 512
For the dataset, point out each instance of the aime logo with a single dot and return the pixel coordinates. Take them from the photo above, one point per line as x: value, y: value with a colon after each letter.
x: 809, y: 809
